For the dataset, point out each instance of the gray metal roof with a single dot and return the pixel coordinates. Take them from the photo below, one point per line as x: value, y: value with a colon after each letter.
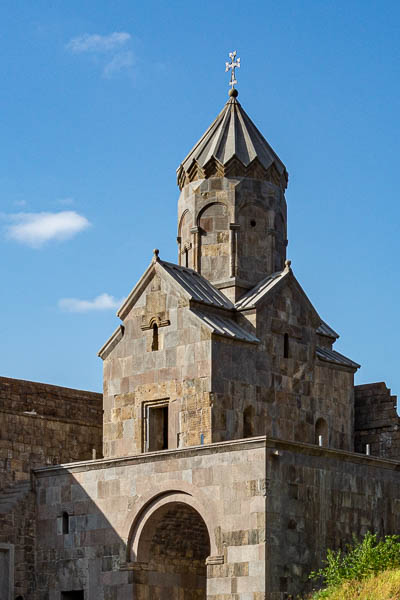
x: 250, y: 298
x: 335, y: 357
x: 324, y: 329
x: 225, y: 326
x: 232, y: 135
x: 197, y: 286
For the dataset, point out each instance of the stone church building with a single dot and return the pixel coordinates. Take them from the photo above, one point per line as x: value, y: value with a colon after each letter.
x: 236, y: 448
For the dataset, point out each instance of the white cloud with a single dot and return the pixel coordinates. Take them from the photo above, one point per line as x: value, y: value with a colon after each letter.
x: 35, y: 229
x: 102, y: 302
x: 122, y: 60
x: 108, y: 50
x: 98, y: 43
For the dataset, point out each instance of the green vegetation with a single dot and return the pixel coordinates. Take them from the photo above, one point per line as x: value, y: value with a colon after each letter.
x: 367, y: 570
x: 384, y: 586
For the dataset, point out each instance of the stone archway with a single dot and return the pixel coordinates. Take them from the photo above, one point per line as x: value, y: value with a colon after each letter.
x: 171, y: 550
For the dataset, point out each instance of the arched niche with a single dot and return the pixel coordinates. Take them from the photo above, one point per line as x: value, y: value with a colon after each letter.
x: 214, y: 241
x: 185, y: 246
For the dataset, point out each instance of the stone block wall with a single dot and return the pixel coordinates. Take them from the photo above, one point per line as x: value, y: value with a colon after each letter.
x: 40, y: 424
x: 188, y: 507
x: 45, y: 424
x: 259, y: 391
x: 318, y: 499
x: 177, y: 373
x: 265, y: 510
x: 233, y: 231
x: 377, y: 422
x: 18, y: 529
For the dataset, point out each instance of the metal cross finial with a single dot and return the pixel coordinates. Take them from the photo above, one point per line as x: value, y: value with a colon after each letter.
x: 232, y: 65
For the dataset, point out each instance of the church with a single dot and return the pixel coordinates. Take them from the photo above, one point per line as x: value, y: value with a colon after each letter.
x: 236, y: 447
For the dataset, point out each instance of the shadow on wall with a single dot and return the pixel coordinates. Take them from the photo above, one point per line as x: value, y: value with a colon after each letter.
x: 81, y: 554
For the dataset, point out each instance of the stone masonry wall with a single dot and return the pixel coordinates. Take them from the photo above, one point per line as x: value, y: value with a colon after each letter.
x: 45, y: 424
x: 317, y: 499
x: 377, y: 422
x: 233, y: 231
x: 282, y: 397
x: 116, y: 531
x: 18, y: 527
x: 178, y: 373
x: 271, y: 509
x: 40, y: 424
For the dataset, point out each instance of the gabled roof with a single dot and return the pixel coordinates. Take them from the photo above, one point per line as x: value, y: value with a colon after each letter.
x: 327, y: 331
x: 197, y: 286
x: 193, y: 285
x: 232, y: 139
x: 260, y: 292
x: 225, y: 326
x: 251, y: 298
x: 332, y: 356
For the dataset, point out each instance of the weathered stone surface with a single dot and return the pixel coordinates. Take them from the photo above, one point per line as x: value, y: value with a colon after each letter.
x: 232, y: 231
x: 40, y: 425
x: 205, y: 502
x: 377, y: 422
x: 229, y: 424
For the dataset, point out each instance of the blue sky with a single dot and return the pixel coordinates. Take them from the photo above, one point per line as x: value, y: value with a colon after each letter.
x: 102, y: 100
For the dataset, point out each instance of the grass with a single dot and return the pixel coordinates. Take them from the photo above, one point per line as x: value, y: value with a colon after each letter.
x: 383, y: 586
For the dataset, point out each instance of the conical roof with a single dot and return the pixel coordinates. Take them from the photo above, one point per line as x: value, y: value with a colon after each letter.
x: 232, y: 146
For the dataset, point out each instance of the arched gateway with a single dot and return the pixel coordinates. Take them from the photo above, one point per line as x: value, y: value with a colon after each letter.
x: 171, y: 546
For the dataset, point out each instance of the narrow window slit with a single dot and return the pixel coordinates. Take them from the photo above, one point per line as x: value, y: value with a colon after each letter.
x: 286, y: 346
x: 65, y: 523
x: 154, y: 345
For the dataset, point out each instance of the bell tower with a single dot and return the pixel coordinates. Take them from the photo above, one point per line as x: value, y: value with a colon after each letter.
x: 232, y: 218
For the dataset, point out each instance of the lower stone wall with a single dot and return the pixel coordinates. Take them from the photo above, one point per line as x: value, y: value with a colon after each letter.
x: 40, y: 424
x: 18, y: 528
x: 377, y: 422
x: 189, y: 506
x: 318, y: 499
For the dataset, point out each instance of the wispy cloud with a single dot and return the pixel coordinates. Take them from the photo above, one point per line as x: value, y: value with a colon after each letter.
x: 98, y: 43
x: 65, y: 201
x: 111, y: 50
x: 101, y: 302
x: 122, y: 60
x: 35, y: 229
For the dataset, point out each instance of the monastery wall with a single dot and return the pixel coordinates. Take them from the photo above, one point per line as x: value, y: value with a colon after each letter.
x: 262, y: 513
x: 318, y: 499
x: 377, y: 422
x: 142, y: 527
x: 45, y: 424
x: 40, y: 424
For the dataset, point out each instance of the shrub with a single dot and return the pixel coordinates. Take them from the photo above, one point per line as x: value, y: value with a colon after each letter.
x: 360, y: 560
